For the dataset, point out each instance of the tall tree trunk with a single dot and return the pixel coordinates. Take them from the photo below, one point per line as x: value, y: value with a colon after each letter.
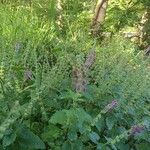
x: 144, y: 30
x: 59, y: 12
x: 99, y: 15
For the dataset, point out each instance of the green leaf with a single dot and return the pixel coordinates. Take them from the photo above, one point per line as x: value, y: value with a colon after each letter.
x: 123, y: 146
x: 83, y: 116
x: 66, y: 146
x: 110, y: 122
x: 143, y: 146
x: 70, y: 117
x: 114, y: 147
x: 131, y: 110
x: 29, y: 140
x: 72, y: 135
x: 59, y: 117
x: 101, y: 146
x: 100, y: 124
x: 94, y: 137
x: 51, y: 132
x: 146, y: 121
x: 1, y: 147
x: 77, y: 145
x: 9, y: 139
x: 143, y: 136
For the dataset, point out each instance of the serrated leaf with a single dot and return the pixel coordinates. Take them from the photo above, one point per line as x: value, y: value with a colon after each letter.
x: 9, y: 139
x: 51, y: 132
x: 70, y: 117
x: 29, y: 139
x: 59, y: 117
x: 110, y: 122
x: 94, y: 137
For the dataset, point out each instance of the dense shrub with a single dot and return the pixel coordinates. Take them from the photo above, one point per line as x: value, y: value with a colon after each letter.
x: 39, y: 108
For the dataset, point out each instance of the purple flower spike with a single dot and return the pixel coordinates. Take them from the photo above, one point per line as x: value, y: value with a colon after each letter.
x: 136, y: 129
x: 111, y: 106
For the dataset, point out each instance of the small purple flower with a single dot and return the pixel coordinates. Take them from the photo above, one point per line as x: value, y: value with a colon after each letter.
x: 111, y: 106
x: 136, y: 129
x: 28, y: 75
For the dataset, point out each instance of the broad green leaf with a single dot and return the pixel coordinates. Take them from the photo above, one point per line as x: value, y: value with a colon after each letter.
x: 123, y: 146
x: 110, y: 122
x: 59, y: 117
x: 51, y: 132
x: 70, y: 117
x: 83, y: 116
x: 77, y: 145
x: 9, y: 139
x: 100, y: 124
x: 66, y: 146
x: 94, y: 137
x: 29, y: 139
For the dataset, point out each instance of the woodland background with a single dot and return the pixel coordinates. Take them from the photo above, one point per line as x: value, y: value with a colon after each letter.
x: 74, y: 74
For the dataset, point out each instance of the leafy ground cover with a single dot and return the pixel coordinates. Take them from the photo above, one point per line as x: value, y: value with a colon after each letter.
x: 62, y: 89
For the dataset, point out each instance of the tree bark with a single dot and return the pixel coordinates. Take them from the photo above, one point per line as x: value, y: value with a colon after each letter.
x: 99, y: 15
x: 144, y: 28
x: 144, y: 31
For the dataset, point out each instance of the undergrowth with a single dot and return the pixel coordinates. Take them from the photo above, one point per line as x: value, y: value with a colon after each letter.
x: 39, y: 106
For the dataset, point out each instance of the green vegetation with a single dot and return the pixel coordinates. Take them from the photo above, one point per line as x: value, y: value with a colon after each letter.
x: 64, y: 88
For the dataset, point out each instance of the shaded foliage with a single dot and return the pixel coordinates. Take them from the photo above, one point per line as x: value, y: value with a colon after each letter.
x: 39, y: 107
